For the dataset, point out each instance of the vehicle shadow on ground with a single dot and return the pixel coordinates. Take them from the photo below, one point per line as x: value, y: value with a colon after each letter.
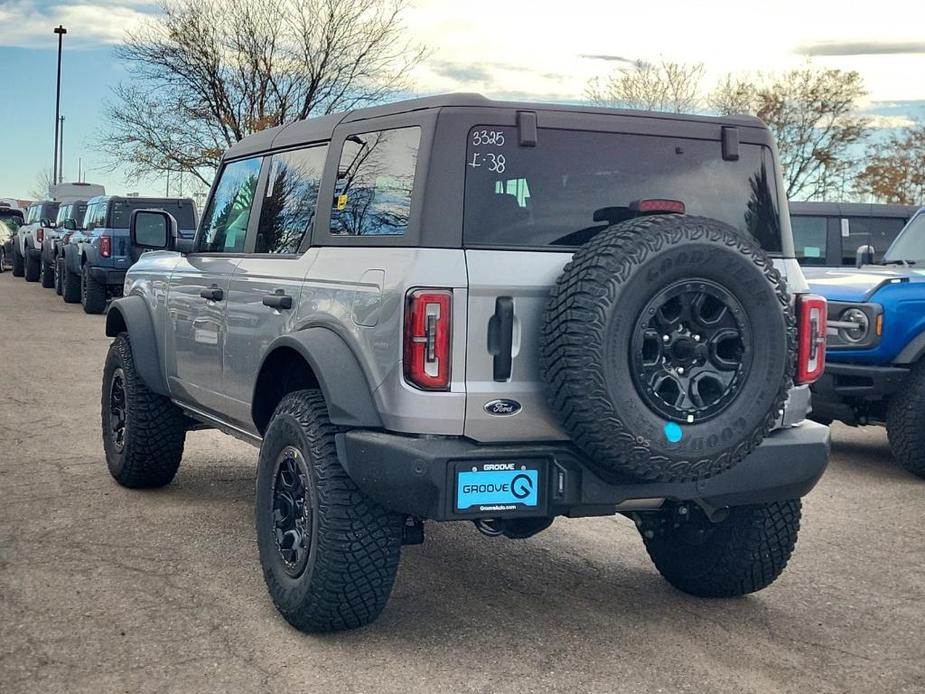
x: 460, y: 582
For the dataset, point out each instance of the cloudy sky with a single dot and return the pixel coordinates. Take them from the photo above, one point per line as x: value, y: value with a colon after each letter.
x: 536, y: 50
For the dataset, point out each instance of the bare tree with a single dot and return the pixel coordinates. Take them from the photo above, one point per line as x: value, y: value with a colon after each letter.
x: 42, y: 185
x: 662, y: 86
x: 895, y: 168
x: 813, y: 114
x: 206, y: 73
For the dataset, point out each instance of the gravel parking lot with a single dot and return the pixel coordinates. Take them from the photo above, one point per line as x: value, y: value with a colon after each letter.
x: 107, y: 589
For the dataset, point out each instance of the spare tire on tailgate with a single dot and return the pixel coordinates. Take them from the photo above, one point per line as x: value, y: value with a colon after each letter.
x: 669, y: 346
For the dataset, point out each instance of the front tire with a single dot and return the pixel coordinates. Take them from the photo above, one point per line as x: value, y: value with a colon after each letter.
x: 93, y: 293
x: 33, y: 267
x: 59, y: 276
x: 143, y: 432
x: 741, y: 554
x: 70, y: 285
x: 329, y: 553
x: 905, y: 423
x: 47, y: 275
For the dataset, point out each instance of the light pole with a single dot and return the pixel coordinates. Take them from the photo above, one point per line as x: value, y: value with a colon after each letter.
x: 61, y: 151
x: 60, y: 31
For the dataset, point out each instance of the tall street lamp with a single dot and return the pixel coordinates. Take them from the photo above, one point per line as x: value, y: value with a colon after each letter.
x: 60, y: 31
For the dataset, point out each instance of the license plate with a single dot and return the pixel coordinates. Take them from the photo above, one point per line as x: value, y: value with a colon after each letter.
x: 497, y: 487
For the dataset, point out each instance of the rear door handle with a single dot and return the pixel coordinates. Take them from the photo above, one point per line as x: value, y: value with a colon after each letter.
x: 278, y: 301
x: 501, y: 338
x: 213, y: 293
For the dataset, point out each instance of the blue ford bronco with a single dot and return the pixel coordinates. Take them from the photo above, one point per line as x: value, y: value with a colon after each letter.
x: 875, y: 370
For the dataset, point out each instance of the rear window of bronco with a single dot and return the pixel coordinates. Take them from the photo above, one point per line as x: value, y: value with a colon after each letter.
x: 573, y: 184
x: 182, y: 211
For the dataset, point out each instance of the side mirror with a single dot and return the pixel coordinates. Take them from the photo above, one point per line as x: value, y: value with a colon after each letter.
x: 154, y: 229
x: 45, y: 222
x: 864, y: 255
x: 70, y: 224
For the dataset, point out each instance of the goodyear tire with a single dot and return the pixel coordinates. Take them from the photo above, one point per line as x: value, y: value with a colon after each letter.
x: 905, y: 423
x: 33, y: 267
x: 669, y: 347
x: 70, y: 285
x: 92, y: 293
x: 741, y: 554
x: 329, y: 553
x: 143, y: 432
x: 19, y: 266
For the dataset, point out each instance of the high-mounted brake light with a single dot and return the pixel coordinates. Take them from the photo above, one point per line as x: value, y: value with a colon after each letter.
x: 105, y: 246
x: 40, y: 234
x: 811, y: 312
x: 652, y: 205
x: 427, y: 338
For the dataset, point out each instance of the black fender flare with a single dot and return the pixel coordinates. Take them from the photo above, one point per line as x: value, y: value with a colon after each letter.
x: 341, y: 378
x: 130, y: 314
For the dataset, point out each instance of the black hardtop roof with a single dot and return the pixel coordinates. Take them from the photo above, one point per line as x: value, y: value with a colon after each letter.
x: 852, y: 209
x: 321, y: 128
x: 130, y: 198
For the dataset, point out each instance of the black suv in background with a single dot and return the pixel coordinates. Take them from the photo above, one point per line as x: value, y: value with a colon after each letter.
x: 831, y: 233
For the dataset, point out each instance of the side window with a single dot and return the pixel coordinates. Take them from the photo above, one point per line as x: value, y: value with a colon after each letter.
x: 224, y: 224
x: 374, y: 182
x: 93, y: 217
x: 809, y: 238
x: 291, y: 199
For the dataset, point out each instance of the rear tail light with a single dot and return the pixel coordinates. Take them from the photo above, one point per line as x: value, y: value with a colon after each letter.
x: 811, y: 312
x: 105, y: 246
x: 40, y: 234
x: 427, y: 338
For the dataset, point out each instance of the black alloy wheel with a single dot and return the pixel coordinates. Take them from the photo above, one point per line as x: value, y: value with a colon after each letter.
x: 118, y: 410
x: 691, y: 350
x: 292, y: 511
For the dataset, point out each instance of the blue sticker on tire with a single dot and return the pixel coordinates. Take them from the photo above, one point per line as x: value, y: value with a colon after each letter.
x: 497, y: 490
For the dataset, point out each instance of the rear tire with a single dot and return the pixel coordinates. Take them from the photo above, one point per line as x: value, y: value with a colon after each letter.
x: 19, y: 268
x: 33, y: 267
x: 329, y: 553
x: 741, y: 554
x: 905, y: 423
x: 93, y: 293
x: 70, y: 285
x: 143, y: 432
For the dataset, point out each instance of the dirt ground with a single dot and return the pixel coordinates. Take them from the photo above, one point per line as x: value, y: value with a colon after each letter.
x: 107, y: 589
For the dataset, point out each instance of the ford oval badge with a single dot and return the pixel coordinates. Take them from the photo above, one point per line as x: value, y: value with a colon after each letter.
x: 502, y: 407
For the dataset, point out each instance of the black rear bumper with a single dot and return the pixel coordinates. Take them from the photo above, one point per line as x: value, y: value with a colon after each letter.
x: 105, y: 275
x: 414, y: 475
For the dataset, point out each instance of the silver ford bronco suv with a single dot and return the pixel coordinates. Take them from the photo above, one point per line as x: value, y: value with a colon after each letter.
x: 453, y: 309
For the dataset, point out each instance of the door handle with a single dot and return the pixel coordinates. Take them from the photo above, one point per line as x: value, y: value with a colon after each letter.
x: 278, y: 300
x: 501, y: 338
x: 213, y: 293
